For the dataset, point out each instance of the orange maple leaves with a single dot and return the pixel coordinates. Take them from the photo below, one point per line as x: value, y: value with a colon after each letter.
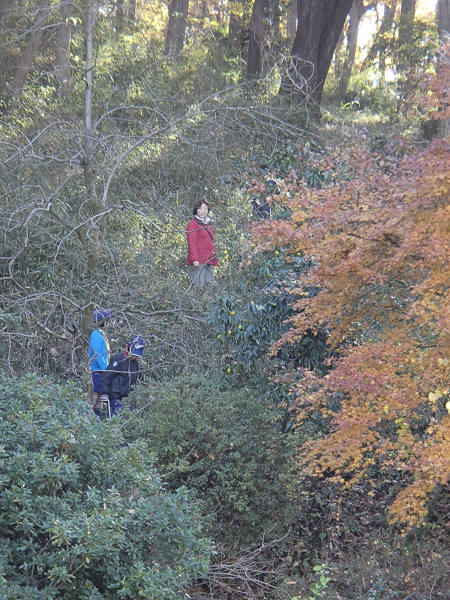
x: 379, y: 250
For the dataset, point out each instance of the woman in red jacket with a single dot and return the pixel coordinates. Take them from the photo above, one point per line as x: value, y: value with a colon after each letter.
x: 202, y: 255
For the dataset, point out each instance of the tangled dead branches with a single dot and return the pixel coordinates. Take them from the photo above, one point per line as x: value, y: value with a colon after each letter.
x: 250, y: 574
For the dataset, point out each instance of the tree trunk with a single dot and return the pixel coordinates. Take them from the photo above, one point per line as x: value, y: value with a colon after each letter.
x: 120, y: 16
x: 256, y: 32
x: 338, y: 59
x: 92, y: 244
x: 36, y: 33
x: 235, y: 25
x: 352, y: 42
x: 206, y: 13
x: 176, y: 28
x: 320, y: 23
x: 132, y: 12
x: 291, y: 21
x: 405, y: 66
x: 63, y: 48
x: 443, y: 18
x: 234, y: 32
x: 275, y: 18
x: 443, y: 22
x: 407, y: 14
x: 385, y: 27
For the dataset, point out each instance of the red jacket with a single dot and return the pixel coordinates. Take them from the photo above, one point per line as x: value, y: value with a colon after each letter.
x: 200, y: 239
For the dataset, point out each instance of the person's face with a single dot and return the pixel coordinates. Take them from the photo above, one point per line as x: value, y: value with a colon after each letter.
x: 129, y: 355
x: 202, y: 211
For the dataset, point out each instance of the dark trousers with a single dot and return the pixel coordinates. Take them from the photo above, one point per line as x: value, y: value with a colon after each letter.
x: 116, y: 405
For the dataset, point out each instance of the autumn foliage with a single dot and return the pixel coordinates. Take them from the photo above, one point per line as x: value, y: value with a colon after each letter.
x: 436, y: 102
x: 377, y: 240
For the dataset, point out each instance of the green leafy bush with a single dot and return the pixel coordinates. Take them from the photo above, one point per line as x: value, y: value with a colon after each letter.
x: 246, y: 332
x: 249, y: 323
x: 224, y: 445
x: 83, y: 515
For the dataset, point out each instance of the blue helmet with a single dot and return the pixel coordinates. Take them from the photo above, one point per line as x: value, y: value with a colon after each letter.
x: 101, y: 315
x: 136, y: 345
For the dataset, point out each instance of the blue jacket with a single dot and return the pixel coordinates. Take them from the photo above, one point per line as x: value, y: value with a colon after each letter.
x: 98, y: 351
x: 119, y: 377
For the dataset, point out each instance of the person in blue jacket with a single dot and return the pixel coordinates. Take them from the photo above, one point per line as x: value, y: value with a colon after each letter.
x: 99, y: 354
x: 122, y: 373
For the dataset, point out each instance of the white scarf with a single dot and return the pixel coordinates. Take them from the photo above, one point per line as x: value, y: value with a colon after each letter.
x: 206, y: 220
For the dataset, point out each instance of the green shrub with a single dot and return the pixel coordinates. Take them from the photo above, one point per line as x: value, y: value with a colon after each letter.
x: 246, y: 330
x: 83, y: 515
x: 224, y: 445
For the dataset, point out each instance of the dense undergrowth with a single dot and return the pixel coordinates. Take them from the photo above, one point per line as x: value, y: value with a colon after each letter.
x: 70, y: 482
x: 223, y: 432
x: 83, y: 514
x: 203, y: 488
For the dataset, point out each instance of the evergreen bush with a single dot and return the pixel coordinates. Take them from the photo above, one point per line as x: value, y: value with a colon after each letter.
x: 83, y: 515
x: 226, y: 446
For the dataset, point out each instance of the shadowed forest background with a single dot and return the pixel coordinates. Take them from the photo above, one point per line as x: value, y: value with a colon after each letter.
x: 291, y: 436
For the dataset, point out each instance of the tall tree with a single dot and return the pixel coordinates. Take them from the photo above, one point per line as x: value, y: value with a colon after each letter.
x: 62, y: 64
x: 235, y: 10
x: 407, y: 14
x: 320, y: 23
x: 120, y: 16
x: 176, y: 27
x: 256, y: 31
x: 92, y: 243
x: 239, y: 15
x: 405, y: 62
x: 291, y: 19
x: 406, y: 20
x: 443, y: 22
x: 274, y: 13
x: 132, y: 11
x: 352, y: 41
x: 443, y: 18
x: 379, y: 44
x: 357, y: 11
x: 36, y: 33
x: 378, y: 247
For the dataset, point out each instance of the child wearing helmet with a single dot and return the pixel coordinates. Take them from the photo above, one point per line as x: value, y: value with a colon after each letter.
x: 99, y: 354
x: 122, y: 373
